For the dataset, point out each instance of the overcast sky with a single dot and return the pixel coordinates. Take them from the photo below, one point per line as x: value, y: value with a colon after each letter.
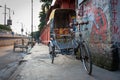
x: 22, y: 10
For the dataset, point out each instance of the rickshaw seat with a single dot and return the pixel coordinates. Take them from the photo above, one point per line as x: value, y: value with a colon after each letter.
x: 62, y: 32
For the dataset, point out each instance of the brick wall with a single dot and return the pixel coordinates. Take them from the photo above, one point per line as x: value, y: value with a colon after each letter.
x: 103, y: 31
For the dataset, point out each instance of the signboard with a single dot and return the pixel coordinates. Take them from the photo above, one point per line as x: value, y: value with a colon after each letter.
x: 9, y: 22
x: 22, y: 30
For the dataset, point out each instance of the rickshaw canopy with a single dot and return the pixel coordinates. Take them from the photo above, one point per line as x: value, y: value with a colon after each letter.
x: 57, y: 11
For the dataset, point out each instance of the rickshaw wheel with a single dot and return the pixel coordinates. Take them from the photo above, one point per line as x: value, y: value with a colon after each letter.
x: 86, y: 58
x: 51, y: 52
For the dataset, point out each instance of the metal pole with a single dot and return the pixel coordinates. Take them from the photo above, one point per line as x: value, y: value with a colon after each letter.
x: 5, y: 16
x: 32, y: 19
x: 22, y: 28
x: 9, y: 14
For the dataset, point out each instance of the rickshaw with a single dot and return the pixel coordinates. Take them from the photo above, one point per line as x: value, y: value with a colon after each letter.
x: 62, y: 37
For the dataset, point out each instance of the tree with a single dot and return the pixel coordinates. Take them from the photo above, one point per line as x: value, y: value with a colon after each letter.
x: 35, y: 35
x: 5, y: 28
x: 42, y: 15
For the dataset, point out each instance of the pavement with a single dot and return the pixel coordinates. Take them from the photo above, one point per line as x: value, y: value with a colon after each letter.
x: 9, y: 61
x: 37, y: 66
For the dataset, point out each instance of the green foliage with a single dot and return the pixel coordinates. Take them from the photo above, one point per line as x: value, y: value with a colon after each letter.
x: 36, y: 35
x: 5, y: 27
x: 45, y: 0
x: 42, y: 21
x: 42, y: 15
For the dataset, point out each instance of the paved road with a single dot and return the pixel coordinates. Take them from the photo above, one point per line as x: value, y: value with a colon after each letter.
x: 9, y: 61
x: 38, y: 67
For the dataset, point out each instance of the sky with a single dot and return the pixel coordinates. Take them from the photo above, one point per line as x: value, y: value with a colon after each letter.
x: 22, y: 14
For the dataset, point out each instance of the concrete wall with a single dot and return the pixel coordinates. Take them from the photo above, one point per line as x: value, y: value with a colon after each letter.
x: 101, y: 32
x: 115, y: 21
x: 45, y: 35
x: 115, y: 25
x: 8, y: 42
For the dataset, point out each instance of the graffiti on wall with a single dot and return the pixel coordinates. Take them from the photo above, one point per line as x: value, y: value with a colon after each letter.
x: 96, y: 15
x: 115, y: 22
x: 99, y: 27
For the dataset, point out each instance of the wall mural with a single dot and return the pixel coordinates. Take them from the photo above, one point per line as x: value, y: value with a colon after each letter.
x: 104, y: 19
x: 95, y: 13
x: 115, y: 21
x: 99, y: 26
x: 98, y: 14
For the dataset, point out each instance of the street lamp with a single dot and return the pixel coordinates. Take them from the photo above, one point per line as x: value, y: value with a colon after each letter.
x: 32, y: 22
x: 4, y: 14
x: 9, y: 21
x: 22, y: 29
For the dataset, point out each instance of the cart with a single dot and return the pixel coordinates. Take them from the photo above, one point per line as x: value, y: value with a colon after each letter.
x: 62, y: 33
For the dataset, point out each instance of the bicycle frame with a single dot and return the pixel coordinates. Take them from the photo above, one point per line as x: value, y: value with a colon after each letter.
x: 85, y: 54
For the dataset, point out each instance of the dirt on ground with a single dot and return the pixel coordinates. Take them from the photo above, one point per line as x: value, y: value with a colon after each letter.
x: 9, y: 61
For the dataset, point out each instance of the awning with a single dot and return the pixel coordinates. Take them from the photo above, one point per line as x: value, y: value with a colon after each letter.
x: 53, y: 2
x: 58, y: 10
x: 52, y: 14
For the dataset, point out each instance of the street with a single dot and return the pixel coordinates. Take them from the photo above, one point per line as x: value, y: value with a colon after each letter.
x: 38, y: 67
x: 9, y: 61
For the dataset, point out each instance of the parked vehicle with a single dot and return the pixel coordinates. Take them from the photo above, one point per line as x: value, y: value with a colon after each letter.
x: 62, y: 37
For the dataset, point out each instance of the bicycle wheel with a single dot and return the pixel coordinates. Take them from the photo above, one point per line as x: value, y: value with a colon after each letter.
x: 86, y: 58
x: 52, y: 57
x: 52, y: 53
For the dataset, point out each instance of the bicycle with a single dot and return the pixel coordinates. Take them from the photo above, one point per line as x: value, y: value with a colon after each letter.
x: 85, y: 55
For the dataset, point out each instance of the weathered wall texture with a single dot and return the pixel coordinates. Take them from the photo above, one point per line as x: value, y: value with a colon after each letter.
x: 8, y: 42
x: 115, y: 22
x: 101, y: 31
x: 115, y: 26
x: 45, y: 35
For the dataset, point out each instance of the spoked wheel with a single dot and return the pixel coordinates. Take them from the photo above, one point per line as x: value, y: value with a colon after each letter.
x: 86, y: 58
x: 52, y: 53
x: 52, y: 57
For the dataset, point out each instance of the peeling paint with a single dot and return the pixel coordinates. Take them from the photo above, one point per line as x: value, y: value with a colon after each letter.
x: 103, y: 29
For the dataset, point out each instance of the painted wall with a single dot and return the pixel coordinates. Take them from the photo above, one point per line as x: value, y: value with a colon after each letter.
x: 101, y: 30
x: 115, y: 22
x: 99, y: 20
x: 115, y: 13
x: 68, y: 4
x: 45, y: 36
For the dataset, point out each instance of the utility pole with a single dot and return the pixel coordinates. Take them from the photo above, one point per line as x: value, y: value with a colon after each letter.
x: 22, y: 29
x: 5, y: 16
x: 9, y: 21
x: 9, y: 14
x: 32, y: 19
